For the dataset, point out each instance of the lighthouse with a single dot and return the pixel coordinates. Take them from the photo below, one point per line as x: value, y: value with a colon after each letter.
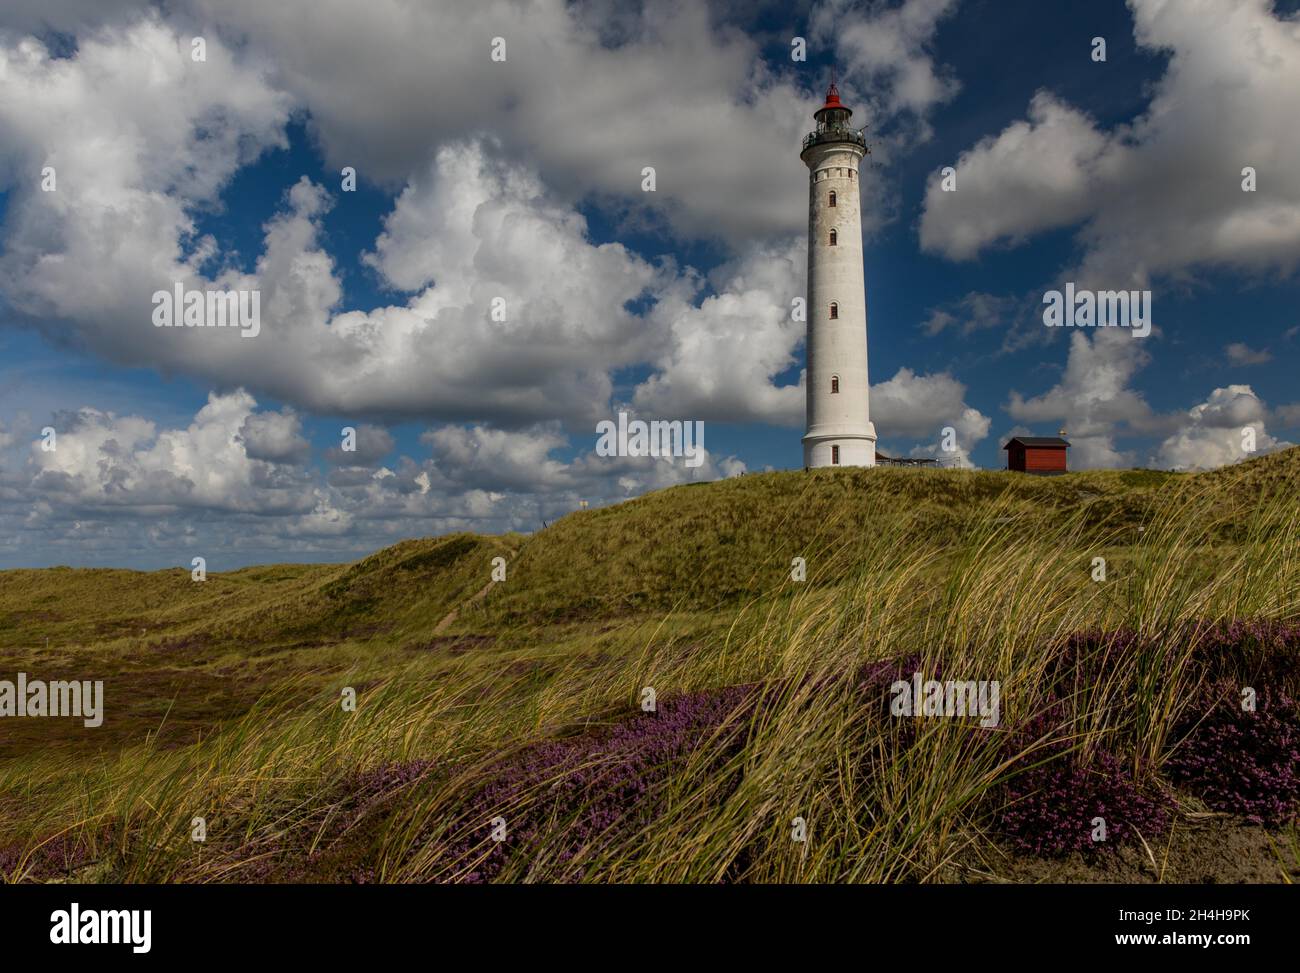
x: 839, y: 430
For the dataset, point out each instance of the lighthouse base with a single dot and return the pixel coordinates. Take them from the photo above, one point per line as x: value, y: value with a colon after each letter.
x: 854, y: 449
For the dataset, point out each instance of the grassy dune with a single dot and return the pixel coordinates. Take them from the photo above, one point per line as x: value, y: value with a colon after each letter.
x: 516, y: 709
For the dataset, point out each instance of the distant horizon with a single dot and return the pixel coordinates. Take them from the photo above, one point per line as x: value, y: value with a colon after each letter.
x: 343, y: 557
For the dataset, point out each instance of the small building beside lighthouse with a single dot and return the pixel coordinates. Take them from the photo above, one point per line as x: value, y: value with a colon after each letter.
x: 1044, y: 455
x: 839, y: 430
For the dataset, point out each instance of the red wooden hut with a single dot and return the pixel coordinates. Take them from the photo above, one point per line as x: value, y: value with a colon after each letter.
x: 1043, y: 455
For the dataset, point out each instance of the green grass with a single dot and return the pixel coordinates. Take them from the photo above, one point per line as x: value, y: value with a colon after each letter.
x: 222, y: 698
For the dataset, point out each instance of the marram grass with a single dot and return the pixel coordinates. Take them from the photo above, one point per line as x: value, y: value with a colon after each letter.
x: 772, y: 755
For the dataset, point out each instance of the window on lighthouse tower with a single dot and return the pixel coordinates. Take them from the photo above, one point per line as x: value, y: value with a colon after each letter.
x: 832, y: 198
x: 835, y: 456
x: 835, y: 237
x: 835, y: 310
x: 835, y: 384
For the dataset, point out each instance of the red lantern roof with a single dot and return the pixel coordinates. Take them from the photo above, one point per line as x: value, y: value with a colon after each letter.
x: 833, y: 102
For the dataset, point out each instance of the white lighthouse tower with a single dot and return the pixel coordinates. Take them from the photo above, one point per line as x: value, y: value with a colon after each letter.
x: 839, y: 431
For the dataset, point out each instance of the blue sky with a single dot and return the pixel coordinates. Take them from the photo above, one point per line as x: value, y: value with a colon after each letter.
x: 522, y: 178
